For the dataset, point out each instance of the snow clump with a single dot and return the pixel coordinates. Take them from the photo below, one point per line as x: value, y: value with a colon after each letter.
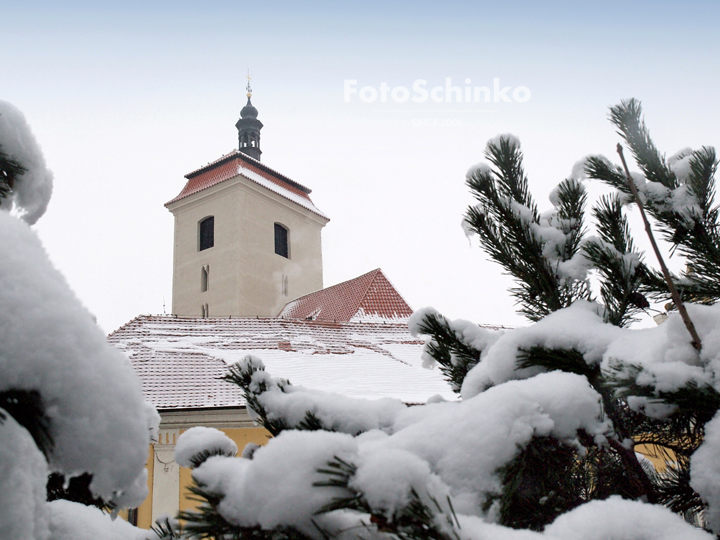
x: 198, y: 443
x: 49, y: 343
x: 487, y: 431
x: 31, y: 194
x: 497, y: 141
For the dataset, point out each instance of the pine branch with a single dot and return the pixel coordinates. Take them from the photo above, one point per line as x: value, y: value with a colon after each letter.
x: 612, y: 224
x: 700, y: 183
x: 77, y: 489
x: 251, y: 377
x: 454, y: 356
x: 208, y: 523
x: 241, y: 374
x: 628, y: 118
x: 673, y: 486
x: 339, y: 473
x: 701, y: 401
x: 312, y: 422
x: 548, y: 478
x: 28, y: 410
x: 510, y: 231
x: 505, y: 154
x: 619, y: 265
x: 165, y: 529
x: 637, y: 482
x: 620, y: 284
x: 417, y: 520
x: 693, y: 230
x: 526, y: 486
x: 202, y: 456
x: 568, y: 360
x: 10, y: 171
x: 572, y: 199
x: 666, y: 274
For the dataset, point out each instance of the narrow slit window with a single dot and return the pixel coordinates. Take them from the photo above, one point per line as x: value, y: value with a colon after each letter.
x: 204, y: 277
x: 281, y: 241
x: 207, y: 233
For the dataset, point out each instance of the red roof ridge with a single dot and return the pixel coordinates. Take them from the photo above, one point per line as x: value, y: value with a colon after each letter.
x: 234, y: 154
x: 380, y: 272
x: 338, y: 285
x: 374, y: 277
x: 212, y: 164
x: 236, y: 164
x: 132, y: 321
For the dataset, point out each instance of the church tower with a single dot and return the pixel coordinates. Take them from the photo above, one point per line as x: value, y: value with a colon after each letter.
x: 249, y: 128
x: 247, y: 238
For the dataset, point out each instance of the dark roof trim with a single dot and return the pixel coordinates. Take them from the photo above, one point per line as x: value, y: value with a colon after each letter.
x: 200, y: 409
x: 235, y: 154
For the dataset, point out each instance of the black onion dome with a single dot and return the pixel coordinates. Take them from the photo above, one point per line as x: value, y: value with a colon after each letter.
x: 248, y: 111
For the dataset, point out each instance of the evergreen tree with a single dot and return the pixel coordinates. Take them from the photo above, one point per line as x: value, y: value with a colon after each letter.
x: 550, y: 256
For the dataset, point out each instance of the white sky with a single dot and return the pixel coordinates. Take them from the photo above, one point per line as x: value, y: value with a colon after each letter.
x: 126, y: 100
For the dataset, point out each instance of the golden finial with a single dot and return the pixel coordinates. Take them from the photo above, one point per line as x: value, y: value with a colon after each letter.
x: 249, y: 90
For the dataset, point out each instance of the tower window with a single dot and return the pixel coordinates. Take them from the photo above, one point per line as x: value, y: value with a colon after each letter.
x: 281, y: 241
x: 204, y: 277
x: 207, y: 233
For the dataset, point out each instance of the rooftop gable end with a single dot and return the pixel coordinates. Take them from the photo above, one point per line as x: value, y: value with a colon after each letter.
x: 369, y: 296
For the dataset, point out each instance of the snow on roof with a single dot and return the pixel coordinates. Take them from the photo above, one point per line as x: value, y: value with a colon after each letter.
x: 367, y: 298
x: 235, y: 164
x: 181, y: 359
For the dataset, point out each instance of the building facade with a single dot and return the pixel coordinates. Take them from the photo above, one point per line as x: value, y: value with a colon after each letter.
x: 247, y: 238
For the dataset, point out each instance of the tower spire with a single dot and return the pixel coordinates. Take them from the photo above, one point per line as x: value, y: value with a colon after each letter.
x: 249, y: 127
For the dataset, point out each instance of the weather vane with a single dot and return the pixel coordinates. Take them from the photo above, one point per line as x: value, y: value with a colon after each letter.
x: 249, y: 90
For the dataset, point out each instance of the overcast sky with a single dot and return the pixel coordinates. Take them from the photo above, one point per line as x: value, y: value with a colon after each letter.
x: 126, y: 100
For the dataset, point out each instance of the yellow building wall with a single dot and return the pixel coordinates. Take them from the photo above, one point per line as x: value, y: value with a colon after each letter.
x: 144, y: 515
x: 656, y: 454
x: 241, y: 437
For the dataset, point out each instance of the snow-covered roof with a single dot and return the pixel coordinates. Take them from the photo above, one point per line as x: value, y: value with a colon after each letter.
x: 367, y: 298
x: 237, y: 164
x: 180, y: 359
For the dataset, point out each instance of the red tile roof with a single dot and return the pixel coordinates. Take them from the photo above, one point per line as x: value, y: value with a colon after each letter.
x: 181, y: 360
x: 370, y: 297
x: 233, y: 164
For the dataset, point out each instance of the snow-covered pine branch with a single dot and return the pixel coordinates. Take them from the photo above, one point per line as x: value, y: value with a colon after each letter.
x: 69, y: 402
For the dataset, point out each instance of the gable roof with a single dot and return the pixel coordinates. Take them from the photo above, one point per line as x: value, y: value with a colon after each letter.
x: 370, y: 298
x: 180, y: 359
x: 238, y: 164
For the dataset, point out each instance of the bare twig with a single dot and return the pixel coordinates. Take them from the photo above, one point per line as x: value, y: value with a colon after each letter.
x: 673, y: 291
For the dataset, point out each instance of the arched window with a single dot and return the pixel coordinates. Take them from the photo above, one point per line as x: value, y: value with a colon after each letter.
x: 281, y: 241
x: 204, y: 277
x: 206, y: 233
